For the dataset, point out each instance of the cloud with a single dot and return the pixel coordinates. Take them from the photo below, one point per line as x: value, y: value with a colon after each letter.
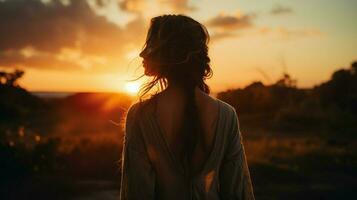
x: 231, y: 22
x: 29, y: 57
x: 290, y: 33
x: 227, y: 26
x: 280, y: 9
x: 101, y: 3
x: 222, y: 35
x: 180, y: 6
x: 286, y: 33
x: 133, y: 6
x: 155, y: 7
x: 52, y: 28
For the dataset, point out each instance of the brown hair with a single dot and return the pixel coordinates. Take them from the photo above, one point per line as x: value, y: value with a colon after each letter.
x: 176, y: 52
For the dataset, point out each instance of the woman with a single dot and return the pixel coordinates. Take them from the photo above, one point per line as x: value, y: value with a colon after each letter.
x: 181, y: 143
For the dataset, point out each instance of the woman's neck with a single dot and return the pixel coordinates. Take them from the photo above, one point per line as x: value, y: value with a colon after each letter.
x: 177, y: 91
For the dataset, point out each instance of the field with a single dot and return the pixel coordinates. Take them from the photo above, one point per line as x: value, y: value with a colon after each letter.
x: 282, y: 165
x: 302, y: 166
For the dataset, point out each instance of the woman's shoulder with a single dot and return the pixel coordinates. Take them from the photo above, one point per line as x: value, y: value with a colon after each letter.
x: 137, y: 107
x: 133, y: 118
x: 131, y: 111
x: 226, y: 108
x: 230, y: 118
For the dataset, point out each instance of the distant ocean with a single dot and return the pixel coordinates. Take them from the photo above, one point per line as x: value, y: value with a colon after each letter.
x: 52, y: 95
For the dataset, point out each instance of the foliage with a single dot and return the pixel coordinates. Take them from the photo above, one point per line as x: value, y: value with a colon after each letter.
x: 10, y: 78
x: 330, y: 106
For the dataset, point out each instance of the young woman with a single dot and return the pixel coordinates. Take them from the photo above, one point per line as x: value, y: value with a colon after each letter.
x: 181, y: 143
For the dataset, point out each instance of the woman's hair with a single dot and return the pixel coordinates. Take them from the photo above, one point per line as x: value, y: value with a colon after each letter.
x: 176, y: 52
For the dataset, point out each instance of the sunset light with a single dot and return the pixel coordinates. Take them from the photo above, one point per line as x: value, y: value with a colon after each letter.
x: 132, y: 87
x: 123, y: 99
x: 132, y: 54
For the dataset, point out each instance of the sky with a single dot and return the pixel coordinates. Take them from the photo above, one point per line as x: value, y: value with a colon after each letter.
x: 93, y: 45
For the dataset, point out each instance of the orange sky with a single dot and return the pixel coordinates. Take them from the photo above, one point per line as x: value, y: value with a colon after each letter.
x: 93, y: 45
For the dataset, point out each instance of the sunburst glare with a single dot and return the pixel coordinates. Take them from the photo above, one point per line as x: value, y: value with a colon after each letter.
x: 132, y: 87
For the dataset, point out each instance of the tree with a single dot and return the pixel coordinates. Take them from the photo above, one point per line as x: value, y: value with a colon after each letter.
x: 10, y: 79
x: 286, y: 81
x: 354, y: 68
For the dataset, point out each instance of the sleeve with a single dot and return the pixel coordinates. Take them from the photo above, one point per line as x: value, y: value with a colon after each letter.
x: 235, y: 182
x: 137, y: 173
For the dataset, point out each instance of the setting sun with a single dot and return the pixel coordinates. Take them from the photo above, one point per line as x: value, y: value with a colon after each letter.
x: 132, y: 87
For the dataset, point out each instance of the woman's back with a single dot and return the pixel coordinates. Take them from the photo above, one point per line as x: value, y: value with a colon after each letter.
x: 170, y: 113
x: 151, y: 169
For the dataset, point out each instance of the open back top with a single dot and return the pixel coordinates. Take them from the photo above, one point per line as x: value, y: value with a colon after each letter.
x: 151, y: 171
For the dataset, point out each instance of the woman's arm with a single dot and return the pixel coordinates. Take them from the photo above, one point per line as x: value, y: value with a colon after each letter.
x: 138, y: 176
x: 235, y: 182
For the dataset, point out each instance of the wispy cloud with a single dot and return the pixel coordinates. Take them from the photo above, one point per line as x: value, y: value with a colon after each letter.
x: 229, y: 25
x: 154, y: 7
x: 223, y: 35
x: 298, y: 33
x: 134, y: 6
x: 181, y: 6
x: 290, y: 33
x: 280, y: 9
x: 231, y: 22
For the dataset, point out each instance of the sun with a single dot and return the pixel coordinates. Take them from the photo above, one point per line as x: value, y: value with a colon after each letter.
x: 132, y: 87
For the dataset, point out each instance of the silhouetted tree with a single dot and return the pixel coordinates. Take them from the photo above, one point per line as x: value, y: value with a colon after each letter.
x: 2, y: 77
x: 340, y: 90
x: 354, y: 68
x: 286, y: 81
x: 10, y: 79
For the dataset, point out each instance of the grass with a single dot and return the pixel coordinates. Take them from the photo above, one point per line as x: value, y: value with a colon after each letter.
x: 302, y: 165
